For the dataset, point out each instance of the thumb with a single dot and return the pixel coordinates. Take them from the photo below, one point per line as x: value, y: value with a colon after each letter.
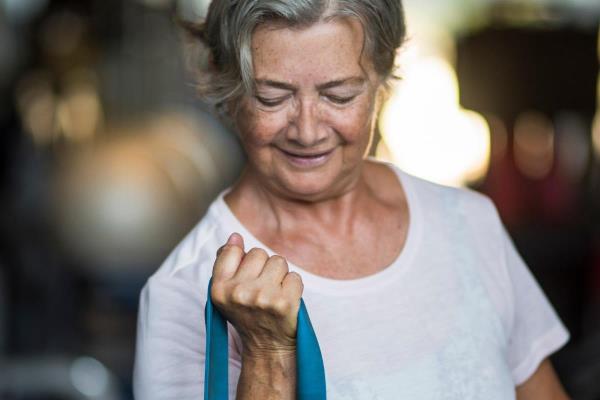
x: 236, y: 239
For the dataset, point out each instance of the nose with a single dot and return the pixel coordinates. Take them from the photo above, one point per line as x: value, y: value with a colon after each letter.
x: 306, y: 128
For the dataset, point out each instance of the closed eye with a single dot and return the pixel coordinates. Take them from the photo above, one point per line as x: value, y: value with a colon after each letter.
x: 271, y: 102
x: 340, y: 99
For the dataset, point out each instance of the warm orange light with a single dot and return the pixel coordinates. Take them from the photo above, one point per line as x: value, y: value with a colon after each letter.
x: 37, y: 105
x: 499, y: 137
x: 596, y: 134
x: 79, y: 113
x: 534, y: 145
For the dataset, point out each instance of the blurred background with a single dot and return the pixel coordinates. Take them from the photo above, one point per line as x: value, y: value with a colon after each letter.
x: 107, y: 160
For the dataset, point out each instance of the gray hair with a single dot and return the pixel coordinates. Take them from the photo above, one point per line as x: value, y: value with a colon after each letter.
x: 227, y: 33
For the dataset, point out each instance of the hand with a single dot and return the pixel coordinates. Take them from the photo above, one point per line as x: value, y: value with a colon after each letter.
x: 259, y: 296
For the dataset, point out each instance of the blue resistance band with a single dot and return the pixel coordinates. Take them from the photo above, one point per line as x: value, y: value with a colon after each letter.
x: 310, y: 373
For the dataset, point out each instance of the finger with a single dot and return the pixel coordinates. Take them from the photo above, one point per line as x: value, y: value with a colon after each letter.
x: 275, y: 269
x: 234, y: 239
x: 228, y: 261
x: 237, y: 240
x: 252, y: 265
x: 292, y: 285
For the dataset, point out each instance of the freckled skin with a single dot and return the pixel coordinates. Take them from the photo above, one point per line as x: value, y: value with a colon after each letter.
x: 305, y: 58
x: 343, y: 219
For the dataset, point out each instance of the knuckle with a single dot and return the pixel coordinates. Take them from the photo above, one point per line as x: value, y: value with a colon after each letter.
x: 295, y: 276
x: 239, y: 294
x: 278, y: 261
x: 218, y: 293
x: 258, y: 252
x: 281, y: 306
x: 296, y: 280
x: 278, y: 268
x: 277, y: 258
x: 262, y: 301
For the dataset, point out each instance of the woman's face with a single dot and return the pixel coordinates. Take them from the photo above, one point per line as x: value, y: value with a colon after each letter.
x: 308, y: 127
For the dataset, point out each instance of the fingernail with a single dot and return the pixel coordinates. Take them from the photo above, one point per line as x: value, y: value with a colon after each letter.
x: 230, y: 240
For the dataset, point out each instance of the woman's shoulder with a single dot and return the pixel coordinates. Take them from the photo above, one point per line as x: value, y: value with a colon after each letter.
x: 192, y: 259
x: 431, y: 195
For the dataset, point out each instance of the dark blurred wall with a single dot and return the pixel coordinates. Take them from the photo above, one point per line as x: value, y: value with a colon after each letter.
x: 547, y: 76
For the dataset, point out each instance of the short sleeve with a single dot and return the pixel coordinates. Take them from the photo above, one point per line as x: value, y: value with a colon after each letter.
x: 170, y: 347
x: 535, y: 329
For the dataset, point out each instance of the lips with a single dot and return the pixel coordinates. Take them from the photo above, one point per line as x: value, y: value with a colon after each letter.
x: 309, y: 155
x: 307, y: 160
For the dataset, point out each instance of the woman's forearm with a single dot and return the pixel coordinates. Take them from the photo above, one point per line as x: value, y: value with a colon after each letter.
x: 268, y: 378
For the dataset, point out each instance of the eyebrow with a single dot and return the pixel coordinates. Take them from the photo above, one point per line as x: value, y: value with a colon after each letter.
x: 354, y: 80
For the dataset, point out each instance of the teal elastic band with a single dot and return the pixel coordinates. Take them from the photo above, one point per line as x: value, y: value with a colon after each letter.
x: 310, y: 373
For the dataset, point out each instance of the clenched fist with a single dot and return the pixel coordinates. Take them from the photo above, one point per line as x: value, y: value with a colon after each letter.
x: 259, y: 296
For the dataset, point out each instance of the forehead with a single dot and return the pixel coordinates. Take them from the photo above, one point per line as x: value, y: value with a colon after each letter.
x: 318, y: 53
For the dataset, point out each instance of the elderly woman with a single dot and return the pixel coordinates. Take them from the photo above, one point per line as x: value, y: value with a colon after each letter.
x: 415, y: 291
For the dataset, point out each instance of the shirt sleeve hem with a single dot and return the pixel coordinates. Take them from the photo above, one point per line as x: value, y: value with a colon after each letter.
x: 547, y: 344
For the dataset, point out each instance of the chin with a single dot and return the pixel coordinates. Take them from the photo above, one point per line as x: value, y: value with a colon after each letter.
x: 310, y: 186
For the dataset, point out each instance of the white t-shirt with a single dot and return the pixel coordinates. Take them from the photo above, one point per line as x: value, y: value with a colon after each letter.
x: 456, y: 316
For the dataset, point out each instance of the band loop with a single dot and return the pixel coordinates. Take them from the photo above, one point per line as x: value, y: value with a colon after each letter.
x: 310, y: 372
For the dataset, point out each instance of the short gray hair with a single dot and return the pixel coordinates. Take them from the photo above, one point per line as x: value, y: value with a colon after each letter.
x: 227, y: 33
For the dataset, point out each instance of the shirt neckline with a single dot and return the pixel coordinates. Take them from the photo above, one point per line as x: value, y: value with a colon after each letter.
x: 344, y: 287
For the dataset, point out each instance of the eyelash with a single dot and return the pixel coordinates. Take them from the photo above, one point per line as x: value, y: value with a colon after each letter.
x: 340, y: 100
x: 279, y: 101
x: 270, y: 102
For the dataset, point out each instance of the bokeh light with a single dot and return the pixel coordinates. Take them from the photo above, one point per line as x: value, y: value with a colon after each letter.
x: 36, y: 103
x: 596, y: 135
x: 90, y: 377
x: 534, y: 144
x: 499, y: 137
x: 20, y: 10
x: 451, y: 148
x: 79, y: 112
x: 572, y: 145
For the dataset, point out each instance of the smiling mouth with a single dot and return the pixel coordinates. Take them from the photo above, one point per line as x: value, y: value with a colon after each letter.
x: 308, y: 156
x: 309, y: 160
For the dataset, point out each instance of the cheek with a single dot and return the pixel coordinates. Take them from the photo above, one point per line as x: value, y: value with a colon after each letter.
x: 259, y: 129
x: 354, y: 124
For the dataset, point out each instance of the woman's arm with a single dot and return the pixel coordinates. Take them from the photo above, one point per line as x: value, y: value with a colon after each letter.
x: 267, y: 378
x: 542, y: 385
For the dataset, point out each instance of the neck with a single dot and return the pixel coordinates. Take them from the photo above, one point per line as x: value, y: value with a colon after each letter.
x: 258, y: 204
